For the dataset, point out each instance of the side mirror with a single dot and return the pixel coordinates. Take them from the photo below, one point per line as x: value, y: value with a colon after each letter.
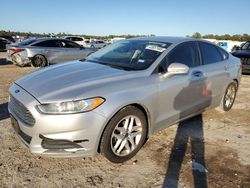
x: 175, y: 69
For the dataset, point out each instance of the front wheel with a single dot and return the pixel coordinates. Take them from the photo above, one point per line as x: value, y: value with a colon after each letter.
x: 124, y: 135
x: 229, y: 97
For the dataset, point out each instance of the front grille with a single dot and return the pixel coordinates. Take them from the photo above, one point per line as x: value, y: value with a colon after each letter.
x: 16, y: 127
x: 21, y: 111
x: 245, y: 61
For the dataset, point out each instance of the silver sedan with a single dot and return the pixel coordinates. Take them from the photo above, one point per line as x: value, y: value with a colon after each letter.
x: 45, y: 51
x: 121, y: 95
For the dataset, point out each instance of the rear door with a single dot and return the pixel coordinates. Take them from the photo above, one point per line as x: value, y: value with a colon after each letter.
x: 51, y: 49
x: 216, y: 69
x: 73, y: 51
x: 181, y: 95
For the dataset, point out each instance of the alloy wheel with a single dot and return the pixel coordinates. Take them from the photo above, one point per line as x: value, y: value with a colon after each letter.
x: 126, y: 135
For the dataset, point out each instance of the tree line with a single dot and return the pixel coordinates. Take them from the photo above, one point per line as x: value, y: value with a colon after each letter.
x: 236, y: 37
x: 62, y: 34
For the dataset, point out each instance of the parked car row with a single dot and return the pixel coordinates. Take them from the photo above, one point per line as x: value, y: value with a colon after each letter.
x: 116, y: 98
x: 40, y: 52
x: 88, y: 43
x: 243, y: 53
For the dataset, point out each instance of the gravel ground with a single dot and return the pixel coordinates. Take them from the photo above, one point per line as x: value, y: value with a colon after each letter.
x: 210, y: 150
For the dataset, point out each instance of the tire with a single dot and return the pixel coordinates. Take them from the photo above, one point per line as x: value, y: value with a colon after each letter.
x: 39, y: 61
x: 229, y: 97
x: 121, y: 139
x: 92, y: 46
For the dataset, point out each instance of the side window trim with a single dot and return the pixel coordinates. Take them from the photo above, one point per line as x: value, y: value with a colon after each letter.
x: 156, y: 70
x: 217, y: 49
x: 184, y: 43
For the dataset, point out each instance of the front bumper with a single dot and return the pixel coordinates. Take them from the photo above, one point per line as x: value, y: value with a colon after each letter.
x: 56, y: 135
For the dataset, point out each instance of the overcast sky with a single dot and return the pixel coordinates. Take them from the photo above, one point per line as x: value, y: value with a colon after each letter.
x: 105, y: 17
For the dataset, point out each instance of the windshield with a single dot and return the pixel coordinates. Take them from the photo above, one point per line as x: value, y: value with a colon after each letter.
x: 26, y: 42
x: 246, y: 46
x: 129, y: 54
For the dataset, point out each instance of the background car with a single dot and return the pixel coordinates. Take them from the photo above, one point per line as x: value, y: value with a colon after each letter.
x: 9, y: 38
x: 243, y: 53
x: 45, y: 51
x: 78, y: 40
x: 121, y: 95
x: 3, y: 43
x: 97, y: 44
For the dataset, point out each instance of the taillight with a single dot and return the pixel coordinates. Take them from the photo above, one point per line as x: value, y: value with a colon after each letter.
x: 16, y: 50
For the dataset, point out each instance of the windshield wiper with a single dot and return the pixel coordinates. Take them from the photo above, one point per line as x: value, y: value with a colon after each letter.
x: 111, y: 65
x: 117, y: 67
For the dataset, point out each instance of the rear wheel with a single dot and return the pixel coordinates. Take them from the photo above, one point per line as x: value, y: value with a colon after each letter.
x: 39, y: 61
x: 229, y: 97
x: 124, y: 135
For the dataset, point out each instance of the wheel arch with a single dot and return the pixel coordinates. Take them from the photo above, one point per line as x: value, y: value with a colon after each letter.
x: 47, y: 59
x: 137, y: 105
x: 237, y: 82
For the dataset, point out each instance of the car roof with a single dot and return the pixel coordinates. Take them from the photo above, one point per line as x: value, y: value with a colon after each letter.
x: 173, y: 40
x: 36, y: 40
x: 73, y: 36
x: 48, y: 38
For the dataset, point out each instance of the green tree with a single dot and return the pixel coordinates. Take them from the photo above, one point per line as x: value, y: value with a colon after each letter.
x: 196, y: 35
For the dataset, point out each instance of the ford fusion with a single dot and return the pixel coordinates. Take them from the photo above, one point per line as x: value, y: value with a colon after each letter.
x: 114, y: 100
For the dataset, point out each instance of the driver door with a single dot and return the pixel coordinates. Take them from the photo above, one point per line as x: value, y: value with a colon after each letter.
x: 184, y: 94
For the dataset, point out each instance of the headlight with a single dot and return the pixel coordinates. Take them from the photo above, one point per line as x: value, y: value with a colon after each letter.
x: 70, y: 107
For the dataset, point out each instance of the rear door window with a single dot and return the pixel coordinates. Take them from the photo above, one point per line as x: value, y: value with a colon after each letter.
x: 210, y: 53
x: 48, y: 43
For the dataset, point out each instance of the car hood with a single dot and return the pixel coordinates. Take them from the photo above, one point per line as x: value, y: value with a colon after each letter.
x: 67, y: 81
x: 241, y: 53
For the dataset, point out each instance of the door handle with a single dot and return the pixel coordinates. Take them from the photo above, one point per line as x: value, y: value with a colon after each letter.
x: 197, y: 74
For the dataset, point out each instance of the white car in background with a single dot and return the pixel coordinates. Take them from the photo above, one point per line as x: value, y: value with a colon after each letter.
x: 78, y: 40
x: 98, y: 44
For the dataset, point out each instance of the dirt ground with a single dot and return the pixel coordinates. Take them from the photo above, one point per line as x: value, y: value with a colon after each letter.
x: 210, y: 150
